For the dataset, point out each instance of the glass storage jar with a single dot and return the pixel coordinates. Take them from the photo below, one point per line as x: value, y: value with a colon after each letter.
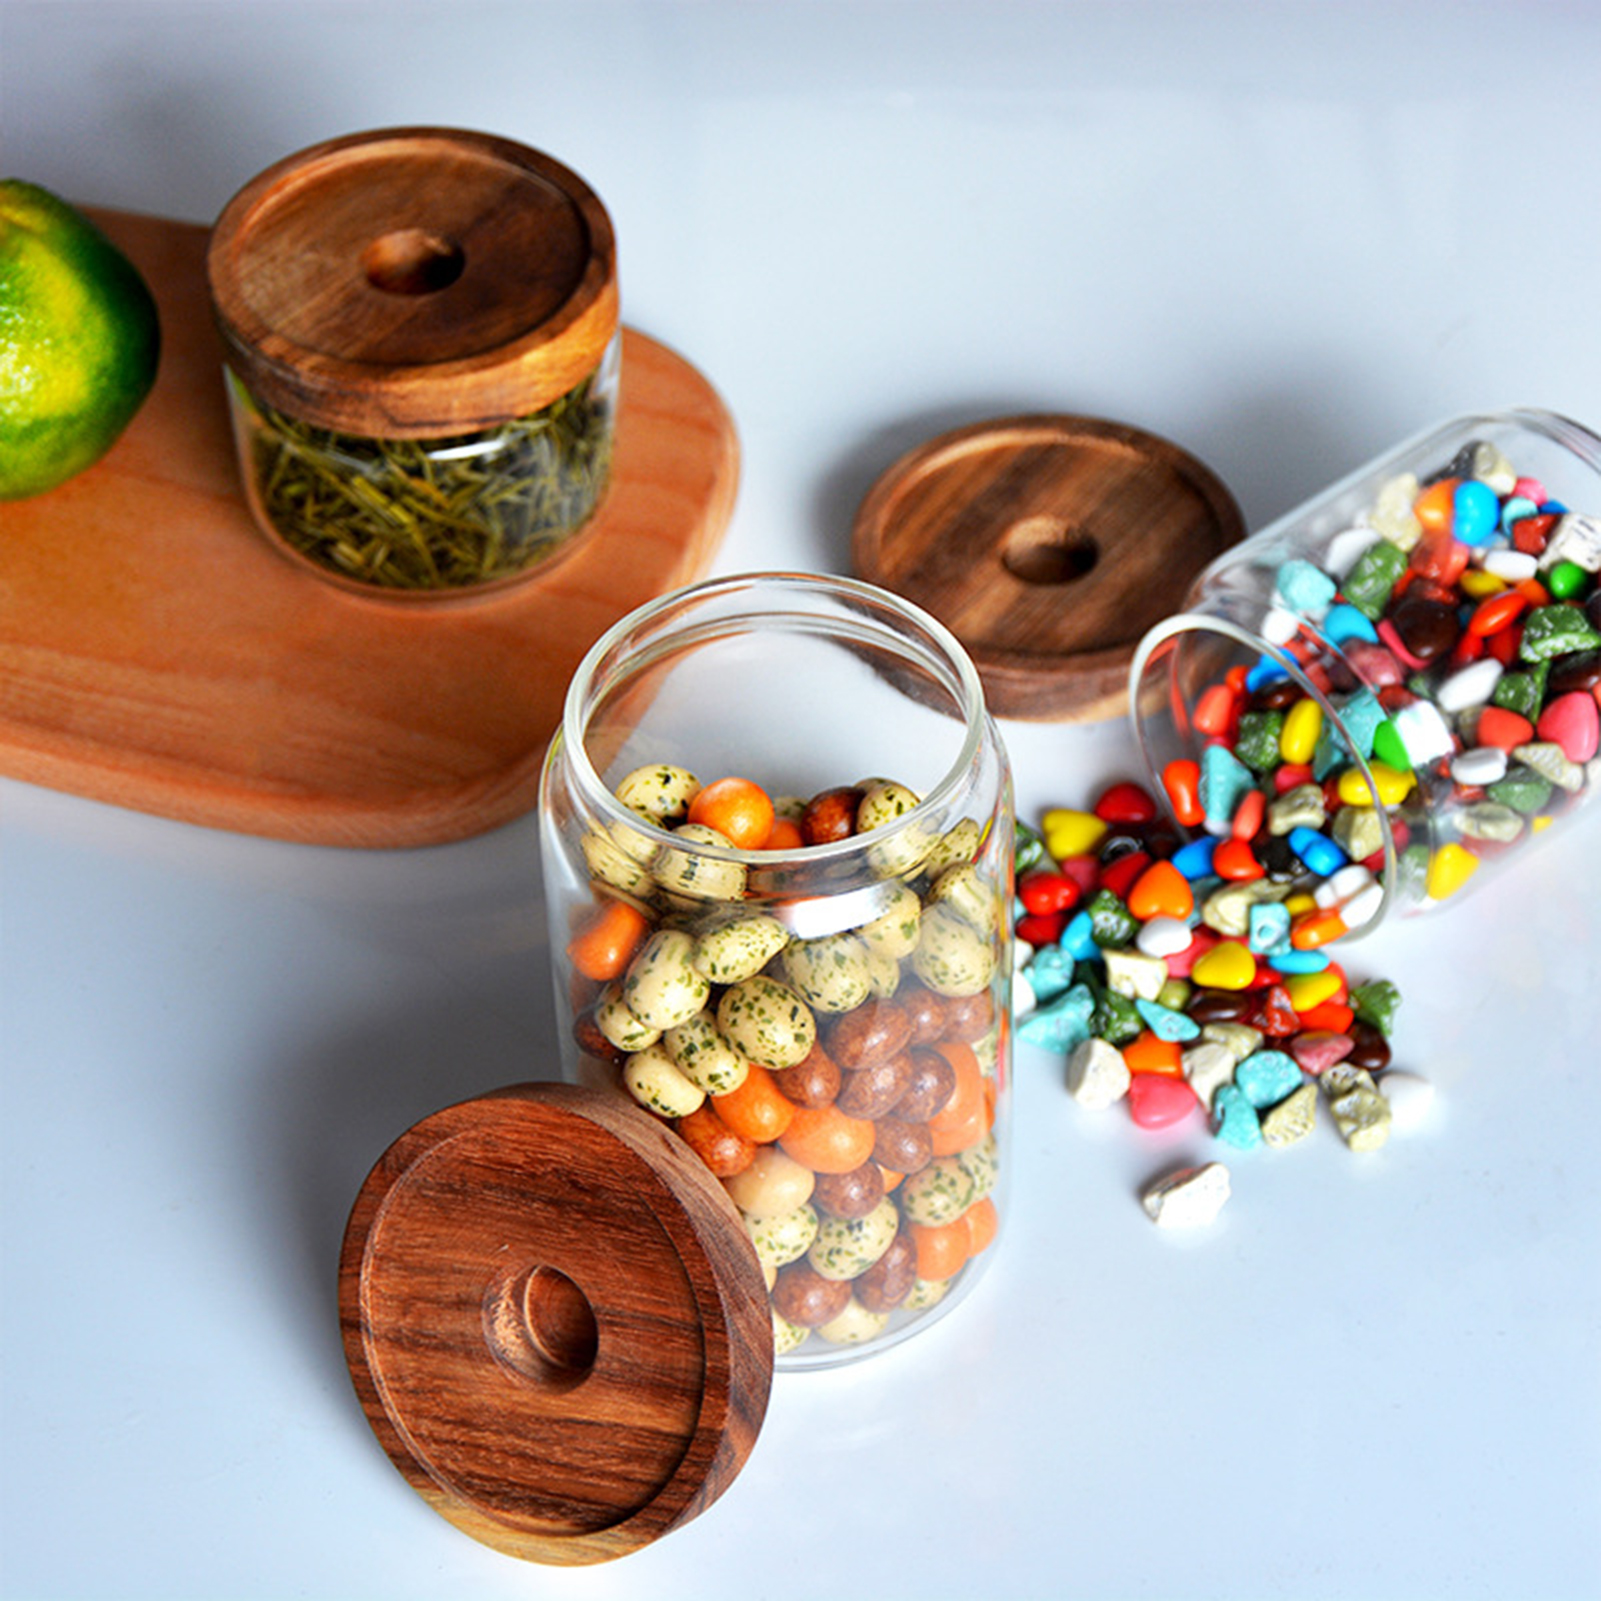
x: 421, y: 336
x: 820, y: 1010
x: 1404, y: 672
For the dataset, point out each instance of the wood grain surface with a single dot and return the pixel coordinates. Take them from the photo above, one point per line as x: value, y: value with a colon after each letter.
x: 556, y: 1323
x: 158, y: 652
x: 1048, y: 545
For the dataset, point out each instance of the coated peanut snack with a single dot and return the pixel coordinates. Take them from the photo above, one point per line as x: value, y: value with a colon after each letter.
x: 824, y: 1032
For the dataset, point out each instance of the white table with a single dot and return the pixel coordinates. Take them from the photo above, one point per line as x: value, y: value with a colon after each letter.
x: 1285, y: 236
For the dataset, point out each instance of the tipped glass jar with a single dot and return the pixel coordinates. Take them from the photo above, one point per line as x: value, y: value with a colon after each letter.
x: 1393, y: 687
x: 421, y: 328
x: 777, y: 835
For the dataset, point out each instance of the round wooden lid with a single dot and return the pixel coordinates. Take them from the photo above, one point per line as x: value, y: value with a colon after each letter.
x: 1048, y: 545
x: 556, y: 1322
x: 414, y: 282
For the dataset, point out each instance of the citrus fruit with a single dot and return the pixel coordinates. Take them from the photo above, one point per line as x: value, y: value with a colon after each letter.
x: 79, y: 339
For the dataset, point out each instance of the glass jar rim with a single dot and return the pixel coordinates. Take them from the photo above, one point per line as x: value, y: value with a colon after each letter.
x: 939, y: 643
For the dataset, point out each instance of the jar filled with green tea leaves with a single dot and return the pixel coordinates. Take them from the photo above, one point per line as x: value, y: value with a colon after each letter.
x: 422, y: 341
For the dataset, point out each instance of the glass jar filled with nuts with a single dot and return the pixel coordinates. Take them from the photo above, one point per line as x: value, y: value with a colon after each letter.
x: 777, y: 837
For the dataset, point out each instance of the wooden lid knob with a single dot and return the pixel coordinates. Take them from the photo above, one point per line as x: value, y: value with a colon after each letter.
x: 1048, y: 545
x: 556, y: 1322
x: 414, y: 282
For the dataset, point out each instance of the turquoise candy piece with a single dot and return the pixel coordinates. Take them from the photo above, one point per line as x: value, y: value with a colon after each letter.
x: 1111, y: 922
x: 1050, y: 972
x: 1523, y: 693
x: 1344, y: 622
x: 1516, y: 508
x: 1305, y: 590
x: 1078, y: 938
x: 1330, y: 754
x: 1522, y: 789
x: 1165, y: 1023
x: 1376, y: 1002
x: 1556, y: 631
x: 1257, y: 742
x: 1265, y: 1078
x: 1362, y: 716
x: 1367, y: 586
x: 1475, y: 512
x: 1291, y: 961
x: 1062, y: 1023
x: 1115, y: 1018
x: 1234, y: 1119
x: 1224, y: 781
x: 1270, y: 928
x: 1028, y: 849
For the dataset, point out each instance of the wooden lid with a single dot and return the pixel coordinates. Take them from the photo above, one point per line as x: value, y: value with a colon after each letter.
x: 556, y: 1322
x: 414, y: 282
x: 1048, y: 545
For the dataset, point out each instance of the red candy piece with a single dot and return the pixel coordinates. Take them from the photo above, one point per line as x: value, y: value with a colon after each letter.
x: 1156, y: 1100
x: 1572, y: 722
x: 1216, y: 710
x: 1276, y: 1016
x: 1502, y: 728
x: 1182, y: 781
x: 1319, y: 1049
x: 1248, y: 815
x: 1126, y: 803
x: 1046, y: 892
x: 1492, y: 615
x: 1161, y: 891
x: 1233, y: 859
x: 1119, y: 876
x: 1290, y: 774
x: 1041, y: 928
x: 1529, y: 534
x: 1504, y: 645
x: 1331, y: 1016
x: 1439, y: 557
x: 1085, y: 871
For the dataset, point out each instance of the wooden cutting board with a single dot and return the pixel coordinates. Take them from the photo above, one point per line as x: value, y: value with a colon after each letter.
x: 158, y: 653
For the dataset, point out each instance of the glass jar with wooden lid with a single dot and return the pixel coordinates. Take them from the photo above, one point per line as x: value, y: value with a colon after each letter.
x: 421, y: 336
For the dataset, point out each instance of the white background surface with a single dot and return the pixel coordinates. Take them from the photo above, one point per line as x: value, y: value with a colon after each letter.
x: 1285, y: 236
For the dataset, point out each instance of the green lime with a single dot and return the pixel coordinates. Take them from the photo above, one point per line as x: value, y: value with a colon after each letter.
x: 79, y: 340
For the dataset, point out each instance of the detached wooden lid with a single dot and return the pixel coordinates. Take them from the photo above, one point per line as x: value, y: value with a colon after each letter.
x: 556, y: 1323
x: 1048, y: 545
x: 414, y: 282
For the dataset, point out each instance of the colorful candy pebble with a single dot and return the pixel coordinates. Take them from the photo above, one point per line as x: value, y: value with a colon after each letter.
x: 1208, y: 1065
x: 1161, y: 891
x: 1041, y: 928
x: 1450, y: 867
x: 1194, y: 860
x: 1266, y: 1077
x: 1361, y: 1113
x: 1376, y: 1002
x: 1469, y: 686
x: 1573, y: 722
x: 1078, y: 938
x: 1163, y: 937
x: 1147, y: 1052
x: 1165, y: 1023
x: 1502, y: 728
x: 1318, y: 853
x: 1343, y: 623
x: 1234, y: 860
x: 1158, y: 1100
x: 1290, y: 1120
x: 1287, y: 962
x: 1071, y: 833
x: 1097, y: 1075
x: 1043, y: 891
x: 1224, y: 781
x: 1551, y: 762
x: 1304, y: 589
x: 1234, y: 1120
x: 1359, y: 909
x: 1317, y: 927
x: 1181, y: 780
x: 1307, y: 990
x: 1248, y: 815
x: 1481, y: 765
x: 1390, y: 787
x: 1126, y: 803
x: 1189, y: 1198
x: 1319, y: 1049
x: 1050, y: 972
x: 1134, y: 974
x: 1475, y: 512
x: 1229, y: 965
x: 1119, y: 874
x: 1061, y: 1023
x: 1302, y: 725
x: 1269, y: 928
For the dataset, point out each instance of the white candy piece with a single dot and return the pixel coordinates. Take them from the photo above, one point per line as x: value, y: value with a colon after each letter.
x: 1097, y: 1075
x: 1024, y: 999
x: 1345, y: 549
x: 1280, y: 625
x: 1163, y: 936
x: 1513, y: 565
x: 1576, y: 538
x: 1473, y: 685
x: 1135, y: 974
x: 1482, y: 765
x: 1411, y: 1099
x: 1341, y: 885
x: 1208, y: 1066
x: 1188, y: 1199
x: 1364, y: 906
x: 1423, y: 731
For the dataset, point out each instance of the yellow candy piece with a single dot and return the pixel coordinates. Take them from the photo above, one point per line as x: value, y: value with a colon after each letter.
x: 1307, y: 990
x: 1229, y: 965
x: 1393, y: 787
x: 1299, y: 904
x: 1540, y: 824
x: 1476, y: 584
x: 1067, y: 833
x: 1449, y: 869
x: 1303, y: 722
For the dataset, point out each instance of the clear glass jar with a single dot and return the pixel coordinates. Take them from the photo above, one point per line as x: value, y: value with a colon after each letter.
x: 1404, y: 670
x: 422, y: 341
x: 825, y: 1023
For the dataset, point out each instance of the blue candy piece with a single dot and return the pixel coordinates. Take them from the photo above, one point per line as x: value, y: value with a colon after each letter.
x: 1304, y: 589
x: 1165, y: 1023
x: 1050, y: 972
x: 1234, y: 1119
x: 1266, y: 671
x: 1515, y: 510
x: 1292, y: 961
x: 1317, y: 851
x: 1078, y: 938
x: 1553, y: 508
x: 1062, y: 1023
x: 1343, y: 621
x: 1265, y: 1078
x: 1224, y: 781
x: 1475, y: 512
x: 1194, y: 860
x: 1270, y: 928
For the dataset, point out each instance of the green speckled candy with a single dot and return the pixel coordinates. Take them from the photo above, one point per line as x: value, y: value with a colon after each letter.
x: 1522, y: 693
x: 1522, y: 789
x: 1116, y: 1019
x: 938, y: 1194
x: 1257, y: 742
x: 1556, y: 631
x: 1028, y: 849
x: 1376, y: 1002
x: 1111, y: 923
x: 1367, y: 586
